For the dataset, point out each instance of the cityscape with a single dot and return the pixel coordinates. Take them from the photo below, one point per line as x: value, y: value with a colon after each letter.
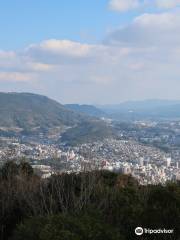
x: 136, y: 152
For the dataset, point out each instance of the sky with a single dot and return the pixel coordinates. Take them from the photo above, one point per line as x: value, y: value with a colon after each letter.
x: 93, y: 52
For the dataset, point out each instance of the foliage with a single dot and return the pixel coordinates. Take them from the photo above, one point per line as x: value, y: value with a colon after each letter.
x: 87, y: 131
x: 32, y: 111
x: 89, y: 205
x: 66, y: 227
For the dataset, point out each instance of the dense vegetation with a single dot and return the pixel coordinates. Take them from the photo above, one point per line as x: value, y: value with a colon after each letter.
x: 25, y: 110
x: 88, y: 131
x: 96, y: 205
x: 28, y: 114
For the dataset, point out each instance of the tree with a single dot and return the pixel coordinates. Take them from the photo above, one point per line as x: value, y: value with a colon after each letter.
x: 25, y: 169
x: 9, y: 170
x: 66, y: 227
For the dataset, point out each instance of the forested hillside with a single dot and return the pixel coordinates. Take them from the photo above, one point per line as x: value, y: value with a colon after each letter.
x: 26, y: 110
x: 85, y: 206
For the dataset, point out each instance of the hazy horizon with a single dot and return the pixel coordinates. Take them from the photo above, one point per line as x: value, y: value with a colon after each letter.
x: 93, y: 52
x: 97, y: 104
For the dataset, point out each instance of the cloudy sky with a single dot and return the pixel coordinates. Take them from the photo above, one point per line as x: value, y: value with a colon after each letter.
x: 95, y: 52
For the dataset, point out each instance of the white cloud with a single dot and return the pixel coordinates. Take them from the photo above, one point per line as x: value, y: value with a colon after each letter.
x: 66, y: 47
x: 59, y: 51
x: 167, y: 4
x: 149, y: 30
x: 123, y: 5
x: 128, y: 5
x: 15, y: 77
x: 136, y: 61
x: 39, y: 67
x: 63, y: 52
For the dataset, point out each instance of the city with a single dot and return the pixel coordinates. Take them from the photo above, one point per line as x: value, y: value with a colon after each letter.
x: 136, y: 151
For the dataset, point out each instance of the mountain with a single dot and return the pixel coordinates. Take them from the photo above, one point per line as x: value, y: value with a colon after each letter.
x: 34, y: 113
x: 139, y: 105
x: 26, y: 111
x: 87, y: 132
x: 148, y: 109
x: 86, y: 109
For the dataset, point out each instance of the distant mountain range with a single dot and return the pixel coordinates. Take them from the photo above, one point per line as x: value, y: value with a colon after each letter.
x: 83, y: 123
x: 148, y: 109
x: 140, y: 105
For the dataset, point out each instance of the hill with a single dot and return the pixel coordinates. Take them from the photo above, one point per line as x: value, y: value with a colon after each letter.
x: 86, y: 109
x: 89, y: 205
x: 87, y: 132
x: 32, y: 113
x: 26, y: 111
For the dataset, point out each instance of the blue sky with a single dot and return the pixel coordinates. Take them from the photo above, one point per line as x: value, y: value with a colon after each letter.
x: 25, y: 22
x: 96, y: 52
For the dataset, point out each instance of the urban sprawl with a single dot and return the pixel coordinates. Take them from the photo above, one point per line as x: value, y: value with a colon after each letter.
x: 146, y: 162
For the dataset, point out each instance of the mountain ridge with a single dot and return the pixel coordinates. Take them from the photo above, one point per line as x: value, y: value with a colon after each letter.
x: 146, y: 109
x: 90, y: 110
x: 35, y: 114
x: 29, y: 110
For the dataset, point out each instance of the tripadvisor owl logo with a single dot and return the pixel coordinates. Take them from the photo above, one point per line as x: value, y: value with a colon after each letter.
x: 139, y: 231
